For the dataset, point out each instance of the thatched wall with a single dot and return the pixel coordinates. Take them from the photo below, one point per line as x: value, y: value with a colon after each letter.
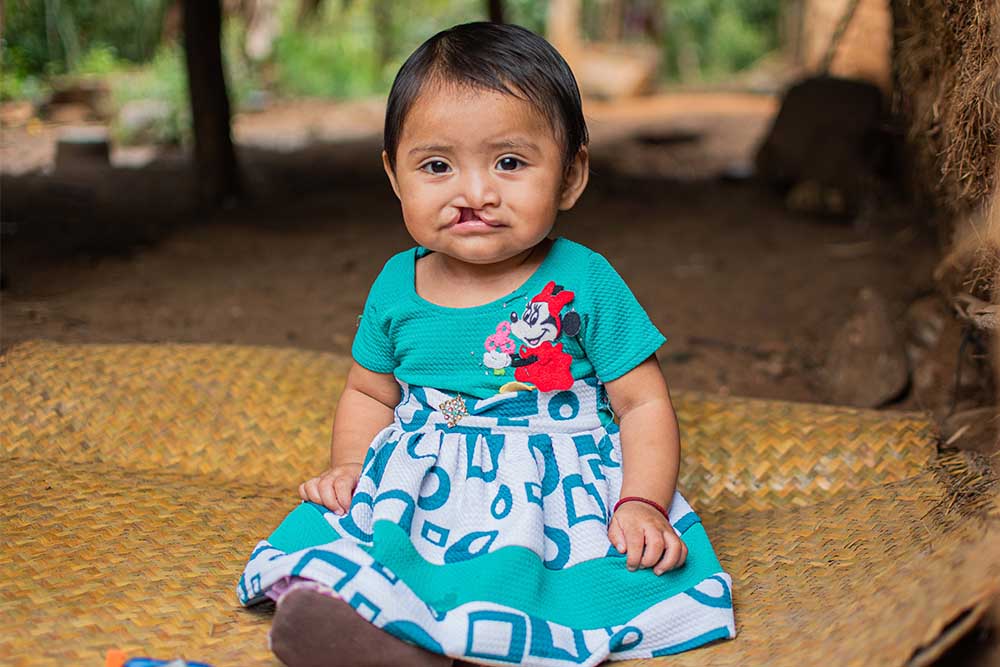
x: 947, y: 62
x: 947, y: 78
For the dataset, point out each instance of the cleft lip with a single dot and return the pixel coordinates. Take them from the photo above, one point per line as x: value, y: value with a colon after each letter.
x: 466, y: 214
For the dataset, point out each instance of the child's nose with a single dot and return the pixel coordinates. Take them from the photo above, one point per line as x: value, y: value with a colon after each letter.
x: 480, y: 190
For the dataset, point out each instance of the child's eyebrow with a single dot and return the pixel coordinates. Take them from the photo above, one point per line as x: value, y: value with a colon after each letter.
x: 430, y: 148
x: 509, y: 144
x: 513, y: 143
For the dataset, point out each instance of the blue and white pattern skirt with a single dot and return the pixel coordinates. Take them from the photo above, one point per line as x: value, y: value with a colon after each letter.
x: 487, y: 540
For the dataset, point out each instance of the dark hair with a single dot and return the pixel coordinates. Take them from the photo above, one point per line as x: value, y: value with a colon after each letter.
x: 492, y: 56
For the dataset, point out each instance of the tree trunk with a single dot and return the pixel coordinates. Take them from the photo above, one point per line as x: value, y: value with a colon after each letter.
x: 611, y: 22
x: 384, y: 38
x: 172, y: 19
x: 495, y: 8
x: 791, y: 30
x: 215, y: 159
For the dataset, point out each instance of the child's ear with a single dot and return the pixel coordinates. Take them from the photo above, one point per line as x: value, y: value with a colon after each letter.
x: 575, y: 181
x: 390, y: 173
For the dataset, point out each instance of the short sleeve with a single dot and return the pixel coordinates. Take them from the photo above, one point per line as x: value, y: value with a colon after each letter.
x: 372, y: 346
x: 617, y: 334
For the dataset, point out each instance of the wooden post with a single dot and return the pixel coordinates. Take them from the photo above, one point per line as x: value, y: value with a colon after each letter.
x: 382, y: 18
x: 215, y: 159
x: 790, y: 29
x: 495, y: 9
x: 308, y: 10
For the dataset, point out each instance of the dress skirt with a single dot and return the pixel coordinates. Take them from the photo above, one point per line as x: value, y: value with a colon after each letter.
x: 480, y: 530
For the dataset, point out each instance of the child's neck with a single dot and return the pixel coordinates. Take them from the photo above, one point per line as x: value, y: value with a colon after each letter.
x: 447, y: 281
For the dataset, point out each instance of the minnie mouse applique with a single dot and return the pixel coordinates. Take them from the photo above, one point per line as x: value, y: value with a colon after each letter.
x: 538, y: 360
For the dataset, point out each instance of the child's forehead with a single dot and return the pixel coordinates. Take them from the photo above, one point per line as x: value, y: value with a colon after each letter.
x: 456, y: 100
x: 475, y: 115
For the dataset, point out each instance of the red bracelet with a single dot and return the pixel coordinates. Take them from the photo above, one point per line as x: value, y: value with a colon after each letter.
x: 657, y: 506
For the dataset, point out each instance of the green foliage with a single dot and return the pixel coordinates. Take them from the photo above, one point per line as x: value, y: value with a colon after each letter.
x: 528, y: 13
x: 352, y: 48
x: 15, y: 86
x: 711, y: 38
x: 43, y: 38
x: 15, y: 81
x: 331, y: 58
x: 242, y: 77
x: 355, y: 48
x: 736, y: 45
x: 163, y: 79
x: 25, y: 39
x: 54, y: 36
x: 100, y: 60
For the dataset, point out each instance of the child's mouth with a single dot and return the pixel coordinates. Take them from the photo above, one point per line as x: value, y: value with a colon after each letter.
x: 468, y: 218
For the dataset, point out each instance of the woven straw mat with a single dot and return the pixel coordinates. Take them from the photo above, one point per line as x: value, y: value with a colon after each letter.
x: 138, y: 478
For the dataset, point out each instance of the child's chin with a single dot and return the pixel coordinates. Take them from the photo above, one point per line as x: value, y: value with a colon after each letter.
x: 481, y: 251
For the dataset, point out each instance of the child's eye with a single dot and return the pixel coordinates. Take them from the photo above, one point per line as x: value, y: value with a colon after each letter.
x: 509, y: 163
x: 436, y: 167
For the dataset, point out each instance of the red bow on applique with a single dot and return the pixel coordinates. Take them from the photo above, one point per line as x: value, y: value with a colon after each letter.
x: 556, y: 301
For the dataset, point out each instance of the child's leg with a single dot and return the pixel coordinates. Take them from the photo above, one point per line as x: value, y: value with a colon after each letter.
x: 315, y: 629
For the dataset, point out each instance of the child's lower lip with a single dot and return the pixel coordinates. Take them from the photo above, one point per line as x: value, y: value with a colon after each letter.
x: 474, y: 225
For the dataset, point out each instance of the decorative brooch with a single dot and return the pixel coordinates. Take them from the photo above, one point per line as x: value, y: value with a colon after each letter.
x: 453, y: 410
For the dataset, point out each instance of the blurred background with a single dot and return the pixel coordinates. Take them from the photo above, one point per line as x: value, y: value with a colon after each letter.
x: 802, y: 193
x: 335, y: 49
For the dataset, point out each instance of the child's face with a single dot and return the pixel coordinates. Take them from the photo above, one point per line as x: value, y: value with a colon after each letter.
x: 480, y: 174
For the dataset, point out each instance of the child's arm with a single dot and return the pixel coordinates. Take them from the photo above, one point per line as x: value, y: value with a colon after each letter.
x: 650, y: 460
x: 365, y: 408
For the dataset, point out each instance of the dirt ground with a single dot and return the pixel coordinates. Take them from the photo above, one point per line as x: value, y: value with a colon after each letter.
x: 749, y: 295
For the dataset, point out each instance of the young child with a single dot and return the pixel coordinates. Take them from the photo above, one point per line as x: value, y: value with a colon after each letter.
x: 483, y: 503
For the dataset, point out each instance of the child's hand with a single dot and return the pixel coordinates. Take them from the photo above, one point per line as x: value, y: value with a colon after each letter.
x: 334, y: 488
x: 648, y: 537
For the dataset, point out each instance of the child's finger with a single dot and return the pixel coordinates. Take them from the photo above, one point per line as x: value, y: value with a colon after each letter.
x: 666, y: 562
x: 653, y: 550
x: 617, y: 536
x: 329, y: 497
x: 672, y: 555
x: 634, y: 541
x: 344, y: 487
x: 311, y: 489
